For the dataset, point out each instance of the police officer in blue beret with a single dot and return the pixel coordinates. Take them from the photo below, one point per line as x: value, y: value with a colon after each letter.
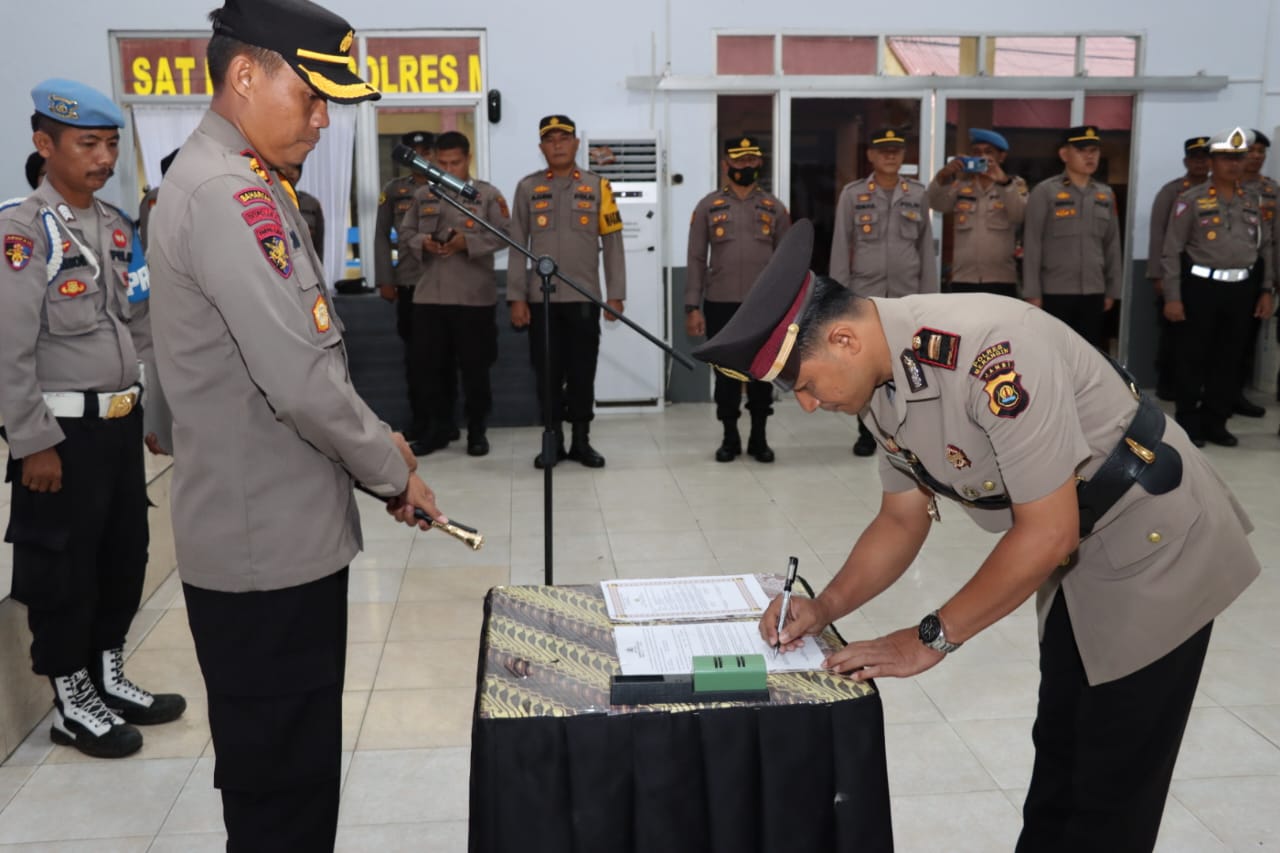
x: 75, y: 354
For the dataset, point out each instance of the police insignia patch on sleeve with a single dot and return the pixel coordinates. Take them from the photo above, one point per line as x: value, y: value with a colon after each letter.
x: 915, y: 376
x: 320, y: 313
x: 987, y: 356
x: 1008, y: 398
x: 271, y: 238
x: 17, y: 251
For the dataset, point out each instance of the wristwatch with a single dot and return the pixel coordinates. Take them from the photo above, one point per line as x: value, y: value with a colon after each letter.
x: 932, y: 635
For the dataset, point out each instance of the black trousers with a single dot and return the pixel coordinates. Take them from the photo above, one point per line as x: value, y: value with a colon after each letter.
x: 1104, y: 754
x: 448, y: 340
x: 274, y: 663
x: 999, y: 288
x: 1082, y: 312
x: 1249, y: 356
x: 1208, y: 347
x: 80, y: 554
x: 1166, y: 362
x: 728, y: 392
x: 404, y: 329
x: 575, y: 348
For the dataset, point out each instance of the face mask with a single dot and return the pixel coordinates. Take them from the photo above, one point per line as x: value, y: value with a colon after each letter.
x: 744, y: 176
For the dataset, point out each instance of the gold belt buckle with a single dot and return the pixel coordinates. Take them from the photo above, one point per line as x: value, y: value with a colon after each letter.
x: 121, y: 404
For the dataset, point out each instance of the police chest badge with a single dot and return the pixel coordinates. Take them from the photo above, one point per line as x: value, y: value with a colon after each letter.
x: 320, y: 313
x: 271, y: 238
x: 17, y: 251
x: 957, y: 458
x: 1008, y: 398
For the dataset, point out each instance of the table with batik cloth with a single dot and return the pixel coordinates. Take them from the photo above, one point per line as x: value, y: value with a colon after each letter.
x: 556, y: 769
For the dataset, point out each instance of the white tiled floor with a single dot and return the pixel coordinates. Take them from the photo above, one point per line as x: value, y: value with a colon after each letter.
x: 958, y: 737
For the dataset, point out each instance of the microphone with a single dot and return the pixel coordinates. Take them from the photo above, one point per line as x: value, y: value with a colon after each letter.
x: 405, y: 155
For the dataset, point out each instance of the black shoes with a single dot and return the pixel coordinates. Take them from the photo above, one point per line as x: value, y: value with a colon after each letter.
x: 580, y: 449
x: 1218, y: 434
x: 1192, y: 427
x: 731, y: 446
x: 128, y: 700
x: 80, y: 719
x: 757, y: 447
x: 477, y: 443
x: 1244, y: 407
x: 864, y: 446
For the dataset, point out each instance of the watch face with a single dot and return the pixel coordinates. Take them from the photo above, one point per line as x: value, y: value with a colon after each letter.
x: 930, y: 628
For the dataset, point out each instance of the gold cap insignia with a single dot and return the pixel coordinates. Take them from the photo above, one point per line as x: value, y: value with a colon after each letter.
x: 1090, y: 132
x: 889, y: 134
x: 1237, y: 139
x: 745, y: 143
x: 346, y: 41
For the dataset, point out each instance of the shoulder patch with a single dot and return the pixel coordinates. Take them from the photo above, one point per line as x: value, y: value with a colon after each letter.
x: 18, y: 251
x: 274, y: 248
x: 935, y: 347
x: 1007, y: 397
x: 987, y: 356
x: 254, y: 195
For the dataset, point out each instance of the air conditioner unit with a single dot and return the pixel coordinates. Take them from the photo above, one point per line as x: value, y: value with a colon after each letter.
x: 629, y: 376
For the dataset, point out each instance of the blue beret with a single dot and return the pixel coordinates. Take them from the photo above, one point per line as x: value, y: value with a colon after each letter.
x: 977, y: 134
x: 75, y: 104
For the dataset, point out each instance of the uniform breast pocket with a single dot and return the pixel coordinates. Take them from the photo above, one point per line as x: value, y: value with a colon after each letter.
x: 909, y: 224
x: 1149, y: 534
x: 71, y: 305
x: 763, y: 228
x: 542, y: 215
x: 586, y: 216
x: 1065, y: 222
x: 719, y: 226
x: 1102, y: 214
x: 867, y: 226
x: 325, y: 326
x: 998, y: 217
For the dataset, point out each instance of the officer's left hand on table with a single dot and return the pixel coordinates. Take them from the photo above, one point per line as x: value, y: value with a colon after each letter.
x: 153, y: 444
x: 1263, y: 309
x: 616, y: 305
x: 897, y: 655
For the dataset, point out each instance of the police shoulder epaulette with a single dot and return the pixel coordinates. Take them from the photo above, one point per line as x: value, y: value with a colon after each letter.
x: 935, y: 347
x: 126, y: 217
x: 12, y: 202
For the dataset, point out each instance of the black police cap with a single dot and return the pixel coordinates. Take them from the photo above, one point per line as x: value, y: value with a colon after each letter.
x: 314, y: 41
x: 1082, y: 136
x: 556, y: 122
x: 888, y: 136
x: 742, y: 146
x: 1259, y: 136
x: 759, y: 340
x: 1196, y: 145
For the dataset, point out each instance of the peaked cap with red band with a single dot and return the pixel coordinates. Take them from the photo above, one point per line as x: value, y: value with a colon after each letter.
x: 759, y: 340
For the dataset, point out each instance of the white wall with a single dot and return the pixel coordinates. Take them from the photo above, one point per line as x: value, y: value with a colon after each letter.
x: 575, y: 59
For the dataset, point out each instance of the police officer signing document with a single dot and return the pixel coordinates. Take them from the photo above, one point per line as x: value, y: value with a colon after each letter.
x: 269, y: 432
x: 74, y: 336
x: 1109, y: 514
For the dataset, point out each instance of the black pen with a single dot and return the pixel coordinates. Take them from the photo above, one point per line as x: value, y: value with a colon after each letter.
x: 793, y: 564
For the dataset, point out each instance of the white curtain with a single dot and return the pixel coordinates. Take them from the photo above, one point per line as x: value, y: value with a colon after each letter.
x: 327, y: 176
x: 161, y: 130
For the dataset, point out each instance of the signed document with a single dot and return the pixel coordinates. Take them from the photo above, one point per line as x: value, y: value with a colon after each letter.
x: 698, y: 598
x: 670, y: 649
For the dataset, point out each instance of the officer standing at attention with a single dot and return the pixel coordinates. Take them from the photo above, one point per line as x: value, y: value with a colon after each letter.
x: 738, y: 226
x: 987, y: 209
x: 882, y: 244
x: 75, y: 334
x: 1256, y: 183
x: 1216, y: 236
x: 1122, y: 529
x: 570, y: 214
x: 311, y: 210
x: 269, y: 430
x: 1071, y: 263
x: 454, y: 301
x: 1196, y: 161
x: 396, y: 282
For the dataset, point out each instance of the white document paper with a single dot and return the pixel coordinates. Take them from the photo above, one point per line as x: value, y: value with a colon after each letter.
x: 670, y: 649
x: 712, y: 597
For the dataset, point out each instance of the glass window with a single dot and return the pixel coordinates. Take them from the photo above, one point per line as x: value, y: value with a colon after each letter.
x: 1108, y: 56
x: 923, y: 56
x: 1109, y: 112
x: 744, y: 54
x: 829, y: 55
x: 1030, y: 56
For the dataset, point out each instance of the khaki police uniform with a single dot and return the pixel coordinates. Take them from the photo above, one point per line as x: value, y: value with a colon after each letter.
x: 1268, y: 193
x: 144, y: 213
x: 1013, y: 405
x: 882, y: 243
x: 1071, y: 250
x: 1161, y: 209
x: 453, y: 301
x: 985, y: 224
x: 313, y: 215
x: 575, y: 220
x: 1211, y: 247
x: 75, y: 346
x: 730, y: 241
x: 393, y: 204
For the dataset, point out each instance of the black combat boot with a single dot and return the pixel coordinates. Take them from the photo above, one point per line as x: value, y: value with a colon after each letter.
x: 580, y: 449
x: 81, y: 720
x: 128, y: 700
x: 757, y: 447
x: 477, y: 442
x: 731, y: 447
x: 561, y: 453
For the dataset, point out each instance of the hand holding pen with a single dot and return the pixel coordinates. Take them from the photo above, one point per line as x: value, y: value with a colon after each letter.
x: 793, y: 565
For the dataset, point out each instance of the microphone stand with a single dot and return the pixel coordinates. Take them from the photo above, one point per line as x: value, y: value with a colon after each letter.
x: 548, y: 270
